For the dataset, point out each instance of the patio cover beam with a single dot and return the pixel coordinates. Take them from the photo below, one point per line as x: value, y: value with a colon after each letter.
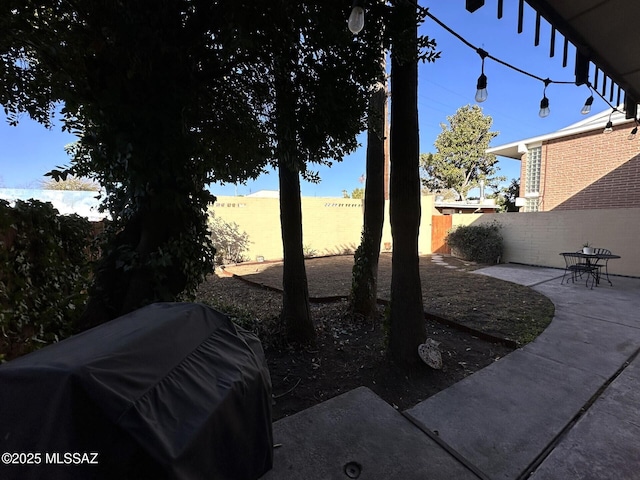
x: 604, y: 33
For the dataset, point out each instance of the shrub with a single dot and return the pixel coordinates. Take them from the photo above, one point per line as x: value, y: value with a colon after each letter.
x: 479, y: 243
x: 44, y: 275
x: 231, y: 244
x: 309, y: 252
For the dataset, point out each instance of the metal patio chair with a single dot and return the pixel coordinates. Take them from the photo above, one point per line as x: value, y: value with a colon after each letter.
x: 602, y: 264
x: 576, y: 267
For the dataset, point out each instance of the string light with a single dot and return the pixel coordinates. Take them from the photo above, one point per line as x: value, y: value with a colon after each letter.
x: 356, y: 19
x: 632, y: 134
x: 481, y: 92
x: 609, y: 126
x: 586, y: 109
x: 356, y: 24
x: 544, y: 103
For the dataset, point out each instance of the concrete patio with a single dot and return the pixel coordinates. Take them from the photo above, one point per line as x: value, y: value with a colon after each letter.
x: 566, y: 406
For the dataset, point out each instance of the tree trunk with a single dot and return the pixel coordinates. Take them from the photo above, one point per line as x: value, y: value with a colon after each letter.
x: 407, y: 324
x: 364, y: 286
x: 296, y: 314
x: 116, y: 290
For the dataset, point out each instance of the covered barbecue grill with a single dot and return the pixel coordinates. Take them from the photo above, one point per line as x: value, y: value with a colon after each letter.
x: 170, y: 391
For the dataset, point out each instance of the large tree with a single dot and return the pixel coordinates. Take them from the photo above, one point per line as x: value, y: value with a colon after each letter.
x: 295, y: 314
x: 170, y: 96
x: 406, y: 322
x: 461, y: 160
x: 506, y: 198
x: 164, y: 100
x: 364, y: 282
x: 400, y: 35
x: 321, y: 85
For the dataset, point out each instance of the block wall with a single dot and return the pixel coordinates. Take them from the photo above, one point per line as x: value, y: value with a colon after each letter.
x: 333, y: 226
x: 329, y: 225
x: 539, y: 238
x: 259, y: 218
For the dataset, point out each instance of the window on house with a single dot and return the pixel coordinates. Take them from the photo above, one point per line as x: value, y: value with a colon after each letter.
x: 531, y: 204
x: 534, y: 164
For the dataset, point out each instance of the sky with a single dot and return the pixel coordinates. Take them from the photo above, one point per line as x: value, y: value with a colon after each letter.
x: 29, y: 150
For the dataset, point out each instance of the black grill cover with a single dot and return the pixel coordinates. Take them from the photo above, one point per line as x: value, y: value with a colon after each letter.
x: 170, y: 391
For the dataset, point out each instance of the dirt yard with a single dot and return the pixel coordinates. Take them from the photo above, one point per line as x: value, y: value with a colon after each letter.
x: 477, y: 320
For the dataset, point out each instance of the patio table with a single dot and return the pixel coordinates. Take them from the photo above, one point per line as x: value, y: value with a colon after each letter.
x: 591, y: 266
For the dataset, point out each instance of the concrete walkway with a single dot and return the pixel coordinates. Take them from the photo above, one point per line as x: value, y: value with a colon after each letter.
x: 566, y: 406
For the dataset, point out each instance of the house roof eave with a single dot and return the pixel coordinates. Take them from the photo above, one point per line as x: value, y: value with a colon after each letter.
x: 516, y: 149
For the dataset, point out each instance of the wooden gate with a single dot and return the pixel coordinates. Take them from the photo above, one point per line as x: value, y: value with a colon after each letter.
x: 440, y: 226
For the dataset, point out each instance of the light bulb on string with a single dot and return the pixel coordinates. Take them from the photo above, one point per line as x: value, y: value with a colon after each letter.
x: 609, y: 127
x: 544, y: 103
x: 544, y: 107
x: 481, y: 92
x: 587, y: 106
x: 634, y: 131
x: 481, y: 87
x: 356, y: 19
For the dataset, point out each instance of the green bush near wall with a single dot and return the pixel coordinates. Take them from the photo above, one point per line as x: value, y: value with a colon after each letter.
x: 478, y: 243
x: 230, y: 242
x: 44, y: 274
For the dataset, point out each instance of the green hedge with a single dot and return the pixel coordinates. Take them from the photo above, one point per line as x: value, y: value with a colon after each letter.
x: 44, y: 274
x: 479, y: 243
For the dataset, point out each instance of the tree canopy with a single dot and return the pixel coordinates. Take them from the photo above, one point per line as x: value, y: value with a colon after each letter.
x: 315, y: 122
x: 164, y: 101
x: 357, y: 193
x: 71, y: 183
x: 461, y: 160
x: 169, y: 96
x: 506, y: 198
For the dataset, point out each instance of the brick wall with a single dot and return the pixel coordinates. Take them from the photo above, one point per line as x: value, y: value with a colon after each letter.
x: 591, y: 170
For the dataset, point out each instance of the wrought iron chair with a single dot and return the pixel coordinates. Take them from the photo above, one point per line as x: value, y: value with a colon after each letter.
x: 576, y: 267
x: 603, y: 263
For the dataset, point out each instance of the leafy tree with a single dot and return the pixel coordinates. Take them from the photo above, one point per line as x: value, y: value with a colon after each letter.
x: 170, y: 96
x: 461, y: 160
x: 507, y: 196
x: 406, y: 321
x: 320, y: 85
x: 165, y: 99
x: 358, y: 193
x: 407, y: 48
x: 71, y: 183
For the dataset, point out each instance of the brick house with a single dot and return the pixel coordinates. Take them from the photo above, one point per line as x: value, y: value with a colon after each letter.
x: 580, y: 166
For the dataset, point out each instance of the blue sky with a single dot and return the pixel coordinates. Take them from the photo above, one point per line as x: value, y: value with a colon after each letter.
x: 29, y: 150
